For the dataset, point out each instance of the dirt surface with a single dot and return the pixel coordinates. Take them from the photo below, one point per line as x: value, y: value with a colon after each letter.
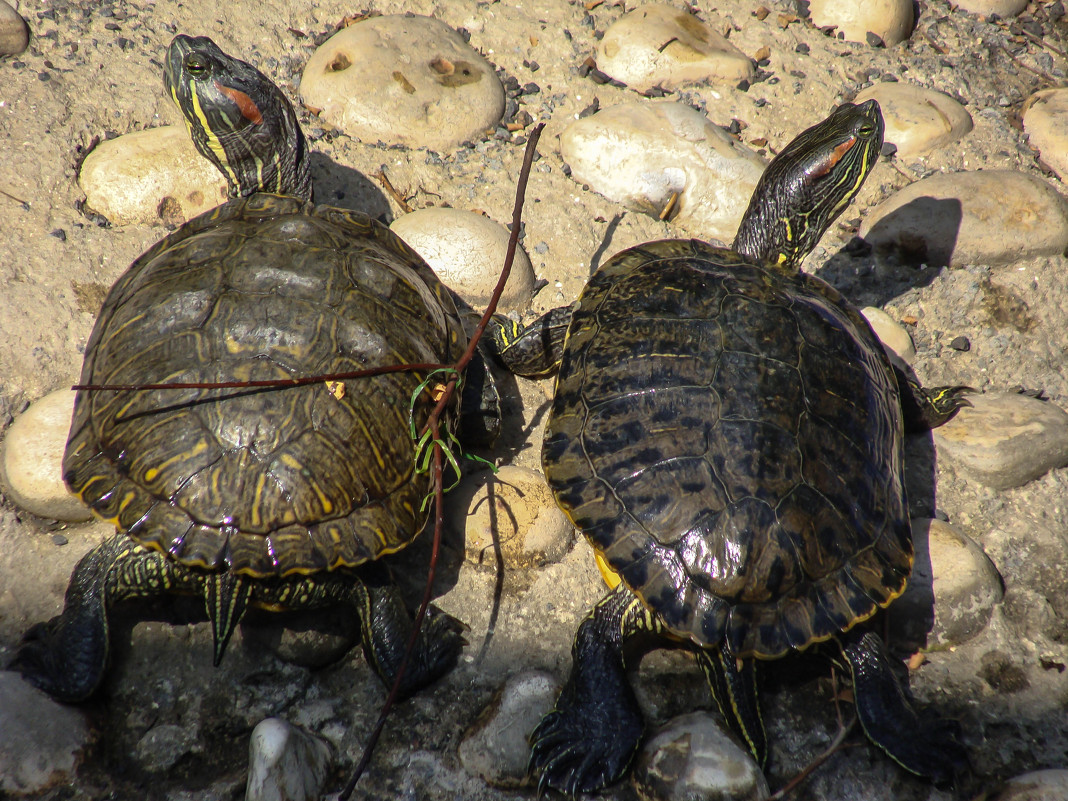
x: 93, y: 70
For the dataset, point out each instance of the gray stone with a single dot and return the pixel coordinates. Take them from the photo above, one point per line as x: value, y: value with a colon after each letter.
x: 1036, y: 583
x: 953, y: 588
x: 895, y: 338
x: 511, y: 513
x: 890, y: 20
x: 918, y: 120
x: 406, y: 80
x: 1004, y: 439
x: 1039, y: 785
x: 31, y: 459
x: 1045, y: 121
x: 150, y: 177
x: 986, y: 217
x: 42, y: 743
x: 14, y: 33
x: 495, y: 748
x: 660, y: 46
x: 467, y: 250
x: 650, y: 155
x: 692, y: 757
x: 286, y: 763
x: 163, y: 746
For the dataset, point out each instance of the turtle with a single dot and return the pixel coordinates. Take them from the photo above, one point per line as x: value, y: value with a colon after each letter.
x: 283, y: 499
x: 727, y: 432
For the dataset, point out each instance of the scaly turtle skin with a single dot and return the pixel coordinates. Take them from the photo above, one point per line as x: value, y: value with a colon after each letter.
x: 276, y: 498
x: 727, y: 432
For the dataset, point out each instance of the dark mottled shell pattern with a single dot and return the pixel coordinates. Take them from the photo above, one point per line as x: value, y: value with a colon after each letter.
x: 266, y: 482
x: 728, y: 437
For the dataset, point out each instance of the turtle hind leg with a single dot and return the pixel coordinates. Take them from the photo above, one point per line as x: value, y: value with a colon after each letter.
x: 589, y: 739
x: 924, y: 409
x: 734, y: 686
x: 928, y: 748
x: 67, y: 657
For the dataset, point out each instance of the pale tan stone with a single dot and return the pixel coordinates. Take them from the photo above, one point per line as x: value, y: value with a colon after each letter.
x: 1045, y: 121
x: 14, y: 33
x: 918, y: 120
x: 890, y: 20
x: 891, y: 333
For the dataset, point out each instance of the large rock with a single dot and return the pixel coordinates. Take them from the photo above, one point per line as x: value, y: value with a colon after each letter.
x: 1039, y: 785
x: 645, y: 154
x: 918, y: 120
x: 406, y: 80
x: 150, y: 177
x: 14, y: 33
x: 890, y: 20
x: 1045, y: 120
x: 467, y: 249
x: 986, y: 217
x: 286, y: 763
x: 31, y: 459
x: 661, y: 46
x: 1004, y: 439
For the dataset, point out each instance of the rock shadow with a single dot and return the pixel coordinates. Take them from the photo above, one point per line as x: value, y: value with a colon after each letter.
x: 348, y: 188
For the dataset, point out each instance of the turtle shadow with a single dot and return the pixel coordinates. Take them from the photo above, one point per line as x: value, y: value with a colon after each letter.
x: 348, y: 188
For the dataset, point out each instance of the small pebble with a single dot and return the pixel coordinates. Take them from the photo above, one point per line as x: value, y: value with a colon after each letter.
x: 495, y: 748
x: 511, y: 512
x: 987, y: 217
x: 953, y: 588
x: 467, y: 249
x: 691, y: 757
x: 406, y: 80
x: 889, y: 20
x: 1045, y: 121
x: 962, y: 344
x: 984, y: 8
x: 43, y: 741
x: 1040, y: 785
x: 14, y: 33
x: 150, y: 177
x: 660, y: 46
x: 286, y: 763
x: 918, y: 120
x: 894, y: 336
x: 31, y: 459
x: 1005, y: 439
x: 645, y: 154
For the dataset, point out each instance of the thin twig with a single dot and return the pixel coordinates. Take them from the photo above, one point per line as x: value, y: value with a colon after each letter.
x: 380, y: 176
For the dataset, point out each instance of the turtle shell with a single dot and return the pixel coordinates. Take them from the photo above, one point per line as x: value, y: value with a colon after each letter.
x: 728, y: 436
x: 263, y: 481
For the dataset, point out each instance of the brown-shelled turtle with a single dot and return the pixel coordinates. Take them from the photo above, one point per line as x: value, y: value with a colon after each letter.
x: 281, y: 498
x: 727, y: 432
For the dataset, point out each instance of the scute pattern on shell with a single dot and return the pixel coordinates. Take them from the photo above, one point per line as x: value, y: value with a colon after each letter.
x: 272, y: 482
x: 728, y: 436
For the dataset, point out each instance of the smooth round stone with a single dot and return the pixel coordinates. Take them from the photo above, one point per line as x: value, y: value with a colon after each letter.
x: 661, y: 46
x: 286, y: 763
x: 1039, y: 785
x: 467, y: 249
x: 14, y: 33
x: 1045, y: 121
x: 1005, y: 439
x: 42, y: 743
x: 495, y: 748
x: 406, y: 80
x: 953, y: 588
x: 31, y: 460
x: 918, y: 120
x: 987, y: 217
x: 890, y: 20
x: 691, y: 757
x: 513, y: 513
x: 643, y: 154
x: 150, y: 177
x: 891, y: 333
x: 1003, y: 8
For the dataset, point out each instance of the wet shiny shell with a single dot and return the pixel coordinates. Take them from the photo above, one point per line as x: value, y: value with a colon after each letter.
x: 729, y: 439
x: 268, y: 482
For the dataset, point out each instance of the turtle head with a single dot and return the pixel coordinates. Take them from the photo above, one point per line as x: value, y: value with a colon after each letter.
x: 808, y: 185
x: 238, y: 119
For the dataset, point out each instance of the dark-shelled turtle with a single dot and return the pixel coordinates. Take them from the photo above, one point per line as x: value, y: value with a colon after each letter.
x: 727, y: 432
x: 280, y: 498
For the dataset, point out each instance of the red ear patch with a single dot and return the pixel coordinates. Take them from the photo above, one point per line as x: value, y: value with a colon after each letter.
x: 824, y: 167
x: 248, y: 108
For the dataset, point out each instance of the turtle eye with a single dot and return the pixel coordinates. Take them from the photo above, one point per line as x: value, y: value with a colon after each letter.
x: 196, y: 65
x: 866, y: 130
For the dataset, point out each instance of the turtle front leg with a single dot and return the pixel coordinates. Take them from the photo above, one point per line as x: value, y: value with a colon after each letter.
x: 589, y: 739
x: 67, y: 657
x: 924, y: 409
x: 928, y: 748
